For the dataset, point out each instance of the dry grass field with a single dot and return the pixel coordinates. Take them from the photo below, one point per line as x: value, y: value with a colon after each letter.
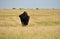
x: 43, y: 24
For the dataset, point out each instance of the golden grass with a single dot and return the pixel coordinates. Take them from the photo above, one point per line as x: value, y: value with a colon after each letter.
x: 37, y: 17
x: 43, y: 24
x: 50, y: 32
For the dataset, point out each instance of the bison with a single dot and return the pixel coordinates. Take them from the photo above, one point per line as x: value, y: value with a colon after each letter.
x: 24, y: 18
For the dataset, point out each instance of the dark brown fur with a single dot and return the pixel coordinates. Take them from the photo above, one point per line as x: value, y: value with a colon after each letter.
x: 24, y: 18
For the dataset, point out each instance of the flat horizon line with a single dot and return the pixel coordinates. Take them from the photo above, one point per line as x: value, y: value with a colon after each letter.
x: 29, y: 8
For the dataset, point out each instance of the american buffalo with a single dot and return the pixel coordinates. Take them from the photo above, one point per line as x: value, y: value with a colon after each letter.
x: 24, y: 18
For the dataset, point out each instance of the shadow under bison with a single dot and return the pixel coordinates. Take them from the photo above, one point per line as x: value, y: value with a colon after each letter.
x: 24, y: 18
